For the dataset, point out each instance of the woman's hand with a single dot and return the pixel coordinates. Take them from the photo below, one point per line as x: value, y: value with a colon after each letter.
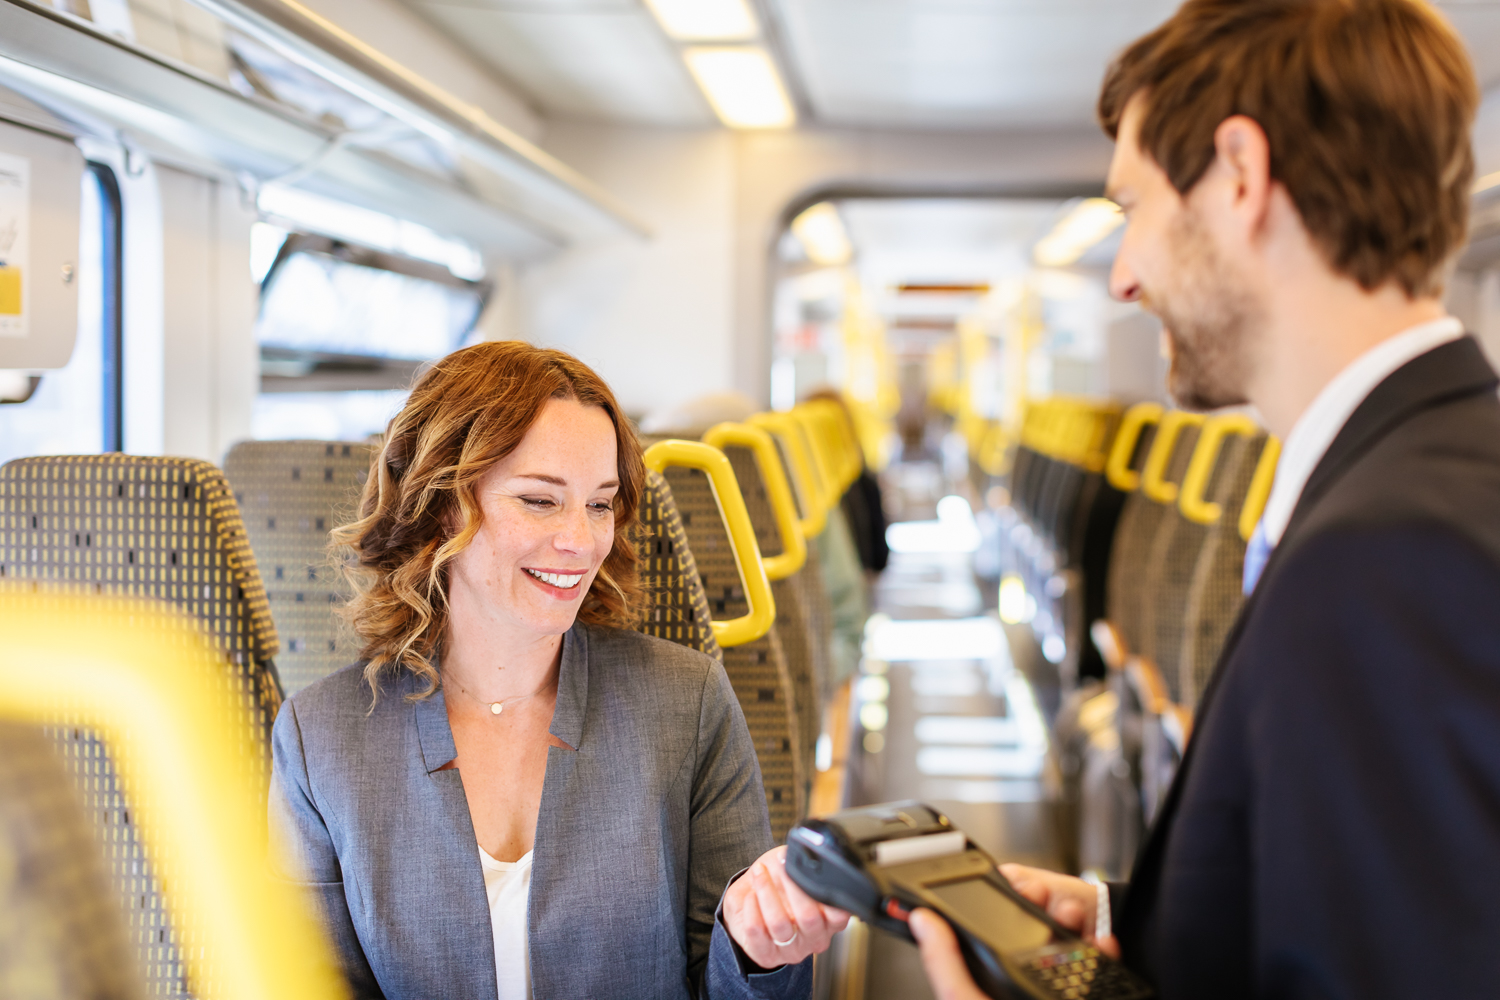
x: 773, y: 921
x: 1070, y: 901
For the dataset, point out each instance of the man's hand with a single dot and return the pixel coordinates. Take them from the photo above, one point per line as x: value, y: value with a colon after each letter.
x: 1070, y: 901
x: 772, y: 920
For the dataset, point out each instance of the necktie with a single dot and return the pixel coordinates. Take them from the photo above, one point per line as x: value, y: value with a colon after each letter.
x: 1256, y: 553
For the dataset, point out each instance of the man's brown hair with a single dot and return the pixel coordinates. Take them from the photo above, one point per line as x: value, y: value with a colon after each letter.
x: 1366, y: 105
x: 419, y: 508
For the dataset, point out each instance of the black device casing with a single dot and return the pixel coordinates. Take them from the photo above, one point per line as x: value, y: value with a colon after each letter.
x: 833, y: 860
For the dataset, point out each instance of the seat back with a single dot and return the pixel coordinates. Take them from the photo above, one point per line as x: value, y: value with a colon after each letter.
x: 758, y: 669
x: 291, y: 495
x: 60, y: 919
x: 1130, y: 571
x: 678, y: 609
x: 1216, y: 595
x: 806, y: 662
x: 163, y: 528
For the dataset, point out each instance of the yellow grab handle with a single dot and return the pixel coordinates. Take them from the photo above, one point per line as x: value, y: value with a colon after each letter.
x: 814, y: 514
x: 778, y: 491
x: 1117, y: 470
x: 1260, y: 488
x: 137, y: 672
x: 1153, y: 477
x: 1205, y: 456
x: 854, y: 456
x: 714, y: 463
x: 823, y: 427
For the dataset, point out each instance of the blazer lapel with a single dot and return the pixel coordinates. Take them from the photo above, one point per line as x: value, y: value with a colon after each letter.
x: 1444, y: 373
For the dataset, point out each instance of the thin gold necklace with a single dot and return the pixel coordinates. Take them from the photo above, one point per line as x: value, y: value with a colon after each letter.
x: 496, y: 707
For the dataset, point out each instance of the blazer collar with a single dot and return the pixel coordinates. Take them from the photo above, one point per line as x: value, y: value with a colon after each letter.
x: 572, y: 687
x: 1452, y: 370
x: 435, y: 736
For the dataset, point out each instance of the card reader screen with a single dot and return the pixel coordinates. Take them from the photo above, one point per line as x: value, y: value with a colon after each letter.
x: 992, y: 914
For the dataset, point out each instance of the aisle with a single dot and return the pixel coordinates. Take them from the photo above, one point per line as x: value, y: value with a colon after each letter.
x: 947, y: 719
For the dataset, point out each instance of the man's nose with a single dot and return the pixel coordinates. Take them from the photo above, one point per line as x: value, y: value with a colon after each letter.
x: 1123, y: 283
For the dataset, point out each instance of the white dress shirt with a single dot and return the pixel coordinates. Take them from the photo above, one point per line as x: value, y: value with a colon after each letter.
x: 1315, y: 430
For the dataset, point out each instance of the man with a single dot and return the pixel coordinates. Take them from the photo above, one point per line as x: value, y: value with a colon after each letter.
x: 1295, y: 175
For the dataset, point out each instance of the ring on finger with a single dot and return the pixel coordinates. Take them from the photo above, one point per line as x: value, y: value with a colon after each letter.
x: 783, y: 944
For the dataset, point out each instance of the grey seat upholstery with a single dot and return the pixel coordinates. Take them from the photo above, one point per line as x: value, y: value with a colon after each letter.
x: 291, y: 494
x: 163, y: 528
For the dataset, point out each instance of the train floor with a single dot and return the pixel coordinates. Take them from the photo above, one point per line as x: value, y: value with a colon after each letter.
x: 963, y: 730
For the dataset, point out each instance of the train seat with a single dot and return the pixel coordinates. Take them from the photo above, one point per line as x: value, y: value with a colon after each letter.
x: 678, y: 609
x: 161, y: 528
x: 758, y: 669
x: 291, y: 494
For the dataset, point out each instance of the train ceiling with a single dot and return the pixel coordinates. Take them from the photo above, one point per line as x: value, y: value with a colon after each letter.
x: 901, y: 64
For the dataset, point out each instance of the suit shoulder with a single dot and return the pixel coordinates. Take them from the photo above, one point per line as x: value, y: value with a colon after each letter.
x: 342, y: 694
x: 638, y: 647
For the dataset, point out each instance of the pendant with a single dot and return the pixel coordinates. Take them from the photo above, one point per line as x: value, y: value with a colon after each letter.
x: 497, y: 707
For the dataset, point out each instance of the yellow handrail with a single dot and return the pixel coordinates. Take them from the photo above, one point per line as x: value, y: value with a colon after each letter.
x: 121, y: 666
x: 844, y: 433
x: 827, y: 439
x: 1153, y: 476
x: 1201, y: 468
x: 814, y: 514
x: 697, y: 455
x: 1260, y: 488
x: 778, y: 492
x: 1117, y: 470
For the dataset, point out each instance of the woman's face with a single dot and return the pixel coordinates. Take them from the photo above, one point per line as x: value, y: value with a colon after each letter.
x: 548, y: 510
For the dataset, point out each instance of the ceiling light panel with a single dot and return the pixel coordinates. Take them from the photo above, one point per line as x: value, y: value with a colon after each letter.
x: 706, y: 20
x: 821, y: 233
x: 742, y: 84
x: 1089, y: 222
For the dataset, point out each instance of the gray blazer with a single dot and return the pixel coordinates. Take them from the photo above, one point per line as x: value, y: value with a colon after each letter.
x: 640, y: 830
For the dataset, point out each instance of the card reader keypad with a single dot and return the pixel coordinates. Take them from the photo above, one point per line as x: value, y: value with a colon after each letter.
x: 1080, y: 973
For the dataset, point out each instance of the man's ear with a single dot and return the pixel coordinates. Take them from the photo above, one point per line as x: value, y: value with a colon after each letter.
x: 1243, y: 160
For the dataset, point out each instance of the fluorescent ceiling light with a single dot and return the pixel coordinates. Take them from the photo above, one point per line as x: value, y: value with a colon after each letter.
x: 1089, y: 222
x: 705, y: 20
x: 821, y: 233
x: 742, y: 85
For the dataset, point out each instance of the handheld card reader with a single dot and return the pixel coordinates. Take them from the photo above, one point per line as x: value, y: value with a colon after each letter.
x: 881, y: 862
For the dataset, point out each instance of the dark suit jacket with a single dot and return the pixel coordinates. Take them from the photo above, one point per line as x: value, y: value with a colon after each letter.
x: 1334, y: 830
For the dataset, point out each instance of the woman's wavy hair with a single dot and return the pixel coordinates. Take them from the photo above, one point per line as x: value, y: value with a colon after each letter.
x: 419, y: 508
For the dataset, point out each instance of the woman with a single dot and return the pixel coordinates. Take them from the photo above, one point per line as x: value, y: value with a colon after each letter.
x: 514, y: 792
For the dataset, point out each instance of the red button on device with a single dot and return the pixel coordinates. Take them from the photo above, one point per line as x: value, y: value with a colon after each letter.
x: 893, y: 908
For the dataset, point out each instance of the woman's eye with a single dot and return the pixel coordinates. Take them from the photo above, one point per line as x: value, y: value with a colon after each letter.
x: 602, y: 506
x: 541, y: 502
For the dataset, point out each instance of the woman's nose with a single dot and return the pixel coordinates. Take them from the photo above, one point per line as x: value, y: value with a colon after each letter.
x: 575, y: 534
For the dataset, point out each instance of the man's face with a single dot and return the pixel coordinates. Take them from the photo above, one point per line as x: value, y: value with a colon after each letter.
x: 1171, y: 263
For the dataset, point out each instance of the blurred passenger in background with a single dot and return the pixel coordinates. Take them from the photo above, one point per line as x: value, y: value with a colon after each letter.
x: 862, y: 503
x: 514, y: 793
x: 1295, y: 176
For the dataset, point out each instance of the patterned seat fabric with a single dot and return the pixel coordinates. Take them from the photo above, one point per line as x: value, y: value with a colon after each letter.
x: 292, y: 493
x: 1169, y: 576
x: 679, y: 608
x: 164, y: 528
x: 806, y: 655
x: 757, y: 670
x: 1129, y: 589
x: 1216, y: 595
x: 62, y: 934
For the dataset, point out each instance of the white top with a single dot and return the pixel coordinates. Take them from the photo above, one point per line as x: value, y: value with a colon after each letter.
x: 508, y: 885
x: 1315, y: 430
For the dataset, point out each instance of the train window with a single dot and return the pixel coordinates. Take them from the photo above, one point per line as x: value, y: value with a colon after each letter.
x: 344, y: 328
x: 75, y: 410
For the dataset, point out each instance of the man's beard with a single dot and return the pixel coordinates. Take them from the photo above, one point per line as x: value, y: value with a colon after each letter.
x: 1210, y: 319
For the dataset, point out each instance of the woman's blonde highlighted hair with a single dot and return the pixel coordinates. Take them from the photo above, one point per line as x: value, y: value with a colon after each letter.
x: 419, y: 508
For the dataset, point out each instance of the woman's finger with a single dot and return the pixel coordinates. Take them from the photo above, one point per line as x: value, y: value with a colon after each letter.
x: 778, y: 922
